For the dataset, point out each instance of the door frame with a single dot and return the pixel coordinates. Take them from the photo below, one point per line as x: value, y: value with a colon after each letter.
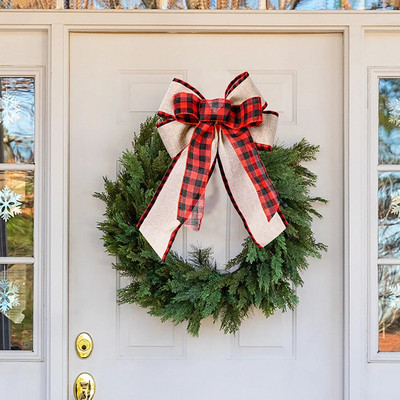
x: 60, y: 24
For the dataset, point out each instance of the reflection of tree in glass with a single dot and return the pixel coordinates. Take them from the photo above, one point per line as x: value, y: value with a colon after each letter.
x: 208, y: 4
x: 388, y: 215
x: 20, y: 227
x: 18, y: 133
x: 93, y: 4
x: 21, y: 323
x: 389, y: 113
x: 389, y: 298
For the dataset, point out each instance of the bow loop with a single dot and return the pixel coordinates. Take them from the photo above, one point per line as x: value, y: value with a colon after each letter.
x: 197, y: 132
x: 247, y: 114
x: 186, y: 108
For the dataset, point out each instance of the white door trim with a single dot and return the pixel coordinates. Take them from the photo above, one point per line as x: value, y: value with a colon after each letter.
x: 353, y: 26
x: 38, y: 73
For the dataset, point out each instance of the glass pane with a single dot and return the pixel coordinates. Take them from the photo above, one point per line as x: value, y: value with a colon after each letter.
x: 389, y: 307
x: 36, y: 4
x: 16, y: 307
x: 16, y: 213
x: 234, y: 4
x: 207, y: 4
x: 17, y: 122
x: 389, y: 214
x: 389, y: 121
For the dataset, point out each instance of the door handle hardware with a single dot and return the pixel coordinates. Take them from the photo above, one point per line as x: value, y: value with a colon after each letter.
x: 84, y: 345
x: 84, y: 387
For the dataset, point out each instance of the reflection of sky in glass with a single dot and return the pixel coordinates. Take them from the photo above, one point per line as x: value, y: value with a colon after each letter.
x: 234, y: 4
x: 18, y: 105
x: 389, y: 214
x: 388, y: 307
x: 185, y: 4
x: 389, y: 122
x: 208, y: 4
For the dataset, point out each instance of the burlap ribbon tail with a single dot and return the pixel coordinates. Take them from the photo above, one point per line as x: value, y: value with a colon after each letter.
x: 199, y: 133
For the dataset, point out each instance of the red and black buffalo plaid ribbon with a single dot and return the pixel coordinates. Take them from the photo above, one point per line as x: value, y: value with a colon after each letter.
x: 206, y: 121
x: 233, y: 120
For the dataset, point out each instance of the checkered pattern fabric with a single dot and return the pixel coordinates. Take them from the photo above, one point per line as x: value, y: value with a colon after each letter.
x: 197, y: 173
x: 249, y: 113
x: 247, y: 153
x: 216, y: 110
x: 190, y: 87
x: 190, y: 109
x: 186, y: 108
x: 220, y: 130
x: 234, y: 120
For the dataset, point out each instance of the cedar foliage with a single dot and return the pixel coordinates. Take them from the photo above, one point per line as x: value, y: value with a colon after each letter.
x: 191, y: 290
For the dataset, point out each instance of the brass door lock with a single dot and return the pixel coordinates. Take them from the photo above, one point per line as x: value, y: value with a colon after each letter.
x: 84, y: 345
x: 84, y: 387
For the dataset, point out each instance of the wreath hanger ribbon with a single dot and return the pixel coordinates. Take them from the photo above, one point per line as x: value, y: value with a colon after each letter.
x: 197, y: 132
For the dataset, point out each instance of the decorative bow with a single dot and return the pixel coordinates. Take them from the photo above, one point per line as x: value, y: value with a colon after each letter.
x: 198, y: 132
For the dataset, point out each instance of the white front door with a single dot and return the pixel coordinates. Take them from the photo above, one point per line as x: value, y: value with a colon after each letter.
x: 116, y: 80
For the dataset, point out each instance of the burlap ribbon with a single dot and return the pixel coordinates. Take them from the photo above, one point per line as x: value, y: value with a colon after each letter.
x: 198, y: 132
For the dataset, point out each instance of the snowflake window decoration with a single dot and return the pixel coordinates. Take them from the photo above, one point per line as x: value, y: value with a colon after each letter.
x: 9, y: 295
x: 395, y: 205
x: 10, y: 204
x: 394, y: 112
x: 10, y: 109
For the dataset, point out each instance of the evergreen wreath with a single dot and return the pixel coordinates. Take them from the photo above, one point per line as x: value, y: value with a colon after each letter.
x: 191, y: 290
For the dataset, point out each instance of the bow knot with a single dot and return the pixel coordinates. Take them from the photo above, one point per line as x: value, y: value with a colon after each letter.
x: 190, y: 109
x: 215, y: 110
x: 198, y: 132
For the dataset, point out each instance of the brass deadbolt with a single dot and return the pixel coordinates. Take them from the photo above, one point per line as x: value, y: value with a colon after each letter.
x: 84, y: 345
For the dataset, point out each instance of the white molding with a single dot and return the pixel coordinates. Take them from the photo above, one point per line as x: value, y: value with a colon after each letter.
x: 200, y: 20
x: 57, y: 180
x: 16, y: 167
x: 376, y: 73
x: 388, y: 168
x: 388, y: 261
x: 372, y: 294
x: 17, y: 260
x: 346, y: 192
x: 354, y: 277
x: 287, y: 350
x: 39, y: 265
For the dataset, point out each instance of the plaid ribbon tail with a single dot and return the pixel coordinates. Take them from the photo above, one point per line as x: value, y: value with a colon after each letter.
x: 246, y: 152
x: 159, y: 224
x: 197, y: 173
x: 246, y: 198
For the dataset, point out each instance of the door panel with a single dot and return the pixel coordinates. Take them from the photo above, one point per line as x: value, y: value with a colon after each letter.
x: 116, y: 81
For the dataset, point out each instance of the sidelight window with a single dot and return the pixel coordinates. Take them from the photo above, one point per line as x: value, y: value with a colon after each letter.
x: 386, y: 152
x: 17, y: 214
